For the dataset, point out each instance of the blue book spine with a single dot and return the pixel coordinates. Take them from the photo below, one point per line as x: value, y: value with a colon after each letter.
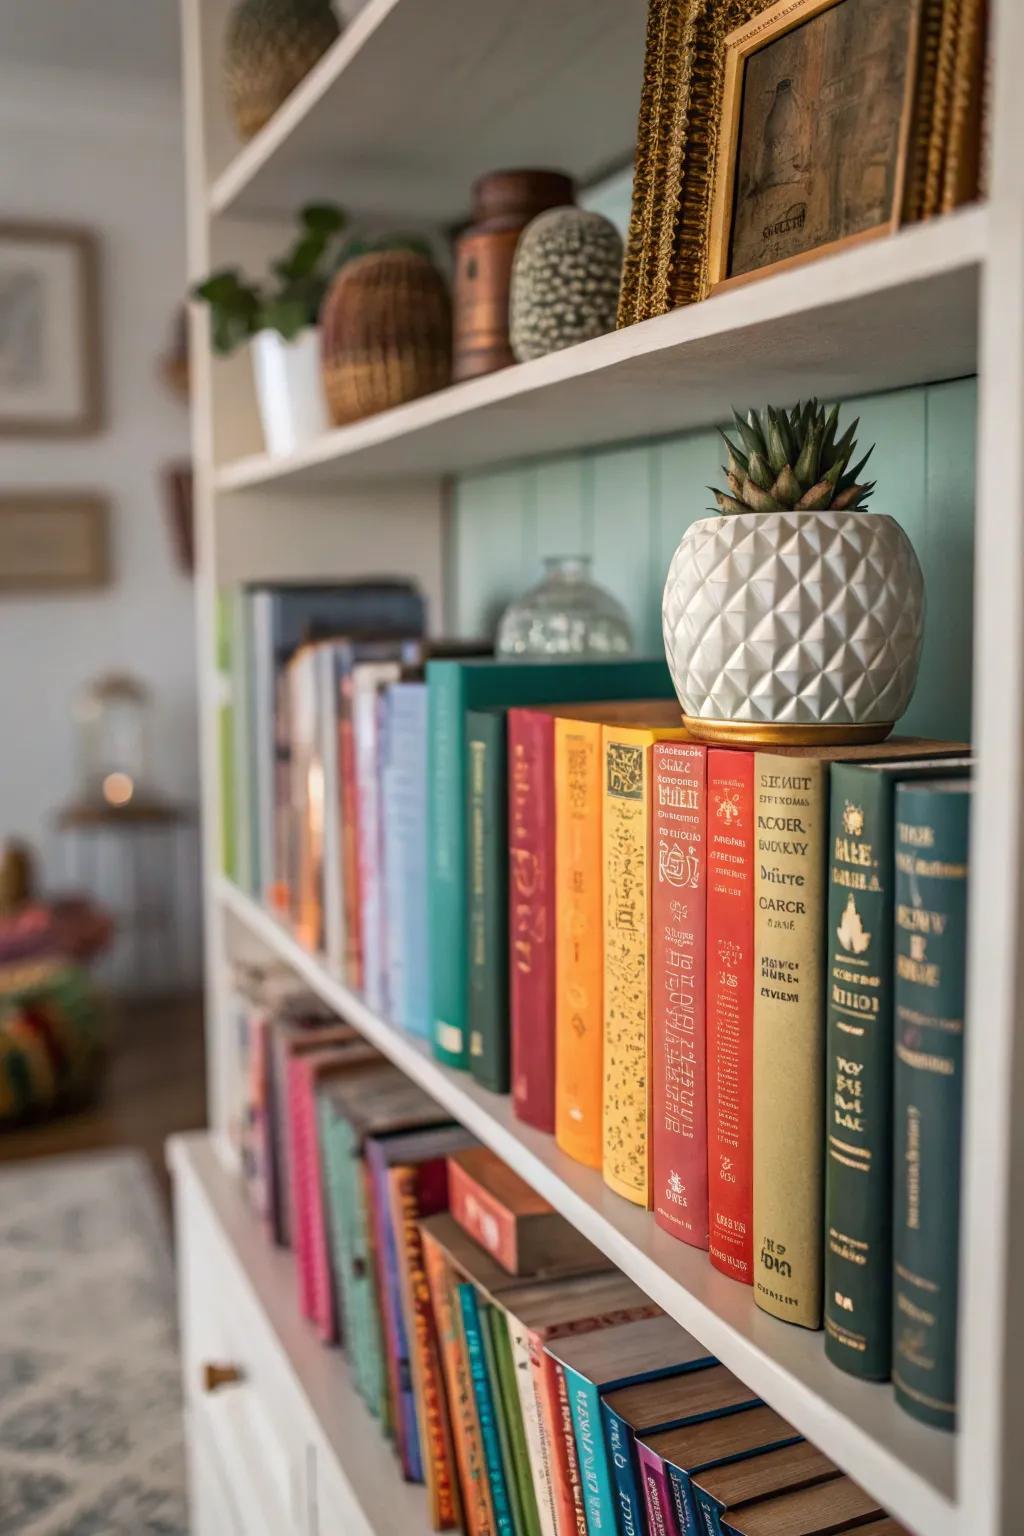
x: 629, y: 1499
x: 404, y: 818
x: 709, y: 1513
x: 599, y: 1499
x: 471, y: 1326
x: 682, y: 1500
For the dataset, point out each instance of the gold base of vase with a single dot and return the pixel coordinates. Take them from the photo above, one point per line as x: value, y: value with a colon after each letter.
x: 771, y: 733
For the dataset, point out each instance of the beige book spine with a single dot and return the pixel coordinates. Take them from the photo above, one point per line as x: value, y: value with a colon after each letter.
x: 791, y: 826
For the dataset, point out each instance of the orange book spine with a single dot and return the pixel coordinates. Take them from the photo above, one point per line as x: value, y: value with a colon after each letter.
x: 579, y: 1026
x: 431, y: 1404
x: 487, y: 1221
x: 469, y: 1449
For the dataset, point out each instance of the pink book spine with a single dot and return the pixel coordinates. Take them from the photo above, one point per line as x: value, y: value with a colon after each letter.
x: 319, y: 1244
x: 678, y: 919
x: 531, y: 860
x: 661, y: 1519
x: 298, y: 1073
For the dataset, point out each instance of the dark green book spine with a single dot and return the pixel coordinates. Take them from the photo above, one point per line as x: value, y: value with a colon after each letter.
x: 487, y: 883
x: 858, y: 1162
x: 932, y: 823
x: 447, y: 851
x: 512, y: 1414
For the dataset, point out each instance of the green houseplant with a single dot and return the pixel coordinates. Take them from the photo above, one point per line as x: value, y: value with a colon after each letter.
x: 797, y: 615
x: 278, y: 319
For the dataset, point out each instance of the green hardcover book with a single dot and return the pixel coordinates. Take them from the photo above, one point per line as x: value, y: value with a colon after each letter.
x: 510, y: 1421
x: 932, y: 824
x: 487, y: 884
x: 454, y: 687
x: 858, y: 1169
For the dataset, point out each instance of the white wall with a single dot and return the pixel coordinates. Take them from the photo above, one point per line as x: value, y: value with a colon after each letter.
x: 105, y: 154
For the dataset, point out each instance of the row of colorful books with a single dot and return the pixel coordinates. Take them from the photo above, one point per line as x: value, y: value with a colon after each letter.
x: 532, y: 1388
x: 673, y: 956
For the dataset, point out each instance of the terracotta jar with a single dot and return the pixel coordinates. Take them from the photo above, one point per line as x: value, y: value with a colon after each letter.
x: 386, y: 324
x: 504, y: 202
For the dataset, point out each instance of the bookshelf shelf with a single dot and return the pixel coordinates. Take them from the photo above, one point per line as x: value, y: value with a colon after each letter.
x: 369, y: 126
x: 283, y: 1363
x: 907, y: 1466
x: 860, y: 321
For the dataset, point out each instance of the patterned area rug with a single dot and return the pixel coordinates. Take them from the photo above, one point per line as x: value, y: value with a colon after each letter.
x: 90, y: 1392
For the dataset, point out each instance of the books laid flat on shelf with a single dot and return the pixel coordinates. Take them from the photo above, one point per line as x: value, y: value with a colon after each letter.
x: 776, y: 1470
x: 729, y: 946
x: 710, y: 1443
x: 932, y: 829
x: 454, y: 688
x: 597, y: 1363
x: 822, y: 1510
x: 791, y: 836
x: 626, y: 1100
x: 858, y: 1169
x: 511, y: 1221
x: 679, y: 1154
x: 578, y: 768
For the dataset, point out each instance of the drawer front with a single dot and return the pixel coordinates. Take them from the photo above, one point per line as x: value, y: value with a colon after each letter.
x: 243, y: 1423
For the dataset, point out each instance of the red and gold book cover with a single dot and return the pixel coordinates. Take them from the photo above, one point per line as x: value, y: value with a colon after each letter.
x: 678, y: 916
x: 730, y: 1010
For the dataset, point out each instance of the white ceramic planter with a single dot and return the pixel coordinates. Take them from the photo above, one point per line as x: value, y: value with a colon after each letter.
x: 799, y: 626
x: 289, y: 389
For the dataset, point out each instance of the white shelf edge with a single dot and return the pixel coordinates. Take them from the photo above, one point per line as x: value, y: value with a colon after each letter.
x: 262, y: 147
x: 856, y: 1423
x: 926, y: 251
x: 365, y: 1460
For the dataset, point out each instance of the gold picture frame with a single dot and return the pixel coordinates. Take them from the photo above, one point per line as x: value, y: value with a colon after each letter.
x: 51, y: 376
x: 668, y: 246
x: 780, y: 188
x: 53, y: 541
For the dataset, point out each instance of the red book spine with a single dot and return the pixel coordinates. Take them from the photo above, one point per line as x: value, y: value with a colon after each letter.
x: 531, y: 835
x: 678, y: 915
x: 730, y: 999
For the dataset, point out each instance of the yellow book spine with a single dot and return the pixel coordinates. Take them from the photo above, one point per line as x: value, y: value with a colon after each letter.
x: 626, y: 1099
x: 579, y: 1019
x: 791, y: 834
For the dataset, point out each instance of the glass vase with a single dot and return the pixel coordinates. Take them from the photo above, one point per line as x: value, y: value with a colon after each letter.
x: 565, y: 614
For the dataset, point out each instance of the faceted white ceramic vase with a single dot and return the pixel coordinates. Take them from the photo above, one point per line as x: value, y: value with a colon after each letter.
x: 289, y: 388
x: 798, y: 626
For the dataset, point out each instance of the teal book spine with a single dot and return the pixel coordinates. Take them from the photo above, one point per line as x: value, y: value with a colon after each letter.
x: 487, y: 883
x: 709, y: 1513
x: 453, y: 687
x: 858, y: 1163
x: 629, y: 1497
x: 472, y: 1327
x: 447, y: 884
x: 599, y: 1500
x: 932, y: 826
x: 682, y: 1500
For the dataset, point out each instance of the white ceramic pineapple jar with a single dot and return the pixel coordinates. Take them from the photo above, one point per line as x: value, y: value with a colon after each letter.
x: 790, y: 626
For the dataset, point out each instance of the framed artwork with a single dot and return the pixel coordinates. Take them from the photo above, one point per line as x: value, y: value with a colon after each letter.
x: 815, y: 127
x: 50, y: 377
x: 52, y: 541
x: 679, y: 160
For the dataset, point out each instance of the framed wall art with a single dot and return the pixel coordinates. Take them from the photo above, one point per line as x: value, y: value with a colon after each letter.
x: 682, y: 123
x: 815, y: 127
x: 50, y: 374
x: 52, y: 541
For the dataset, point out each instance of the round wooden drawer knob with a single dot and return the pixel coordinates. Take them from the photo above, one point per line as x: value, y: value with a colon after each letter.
x: 216, y: 1376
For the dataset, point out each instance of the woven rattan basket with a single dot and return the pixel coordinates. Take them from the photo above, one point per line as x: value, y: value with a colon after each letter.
x: 387, y: 333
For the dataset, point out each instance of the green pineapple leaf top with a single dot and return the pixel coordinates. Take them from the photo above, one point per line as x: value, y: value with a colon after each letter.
x: 787, y: 461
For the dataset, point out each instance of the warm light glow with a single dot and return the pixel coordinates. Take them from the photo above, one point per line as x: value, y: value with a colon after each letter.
x: 118, y: 788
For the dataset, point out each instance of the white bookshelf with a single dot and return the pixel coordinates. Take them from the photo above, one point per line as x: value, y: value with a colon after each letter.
x: 377, y: 126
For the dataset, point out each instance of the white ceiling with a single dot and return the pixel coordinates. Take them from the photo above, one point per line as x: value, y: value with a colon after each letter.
x: 137, y: 39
